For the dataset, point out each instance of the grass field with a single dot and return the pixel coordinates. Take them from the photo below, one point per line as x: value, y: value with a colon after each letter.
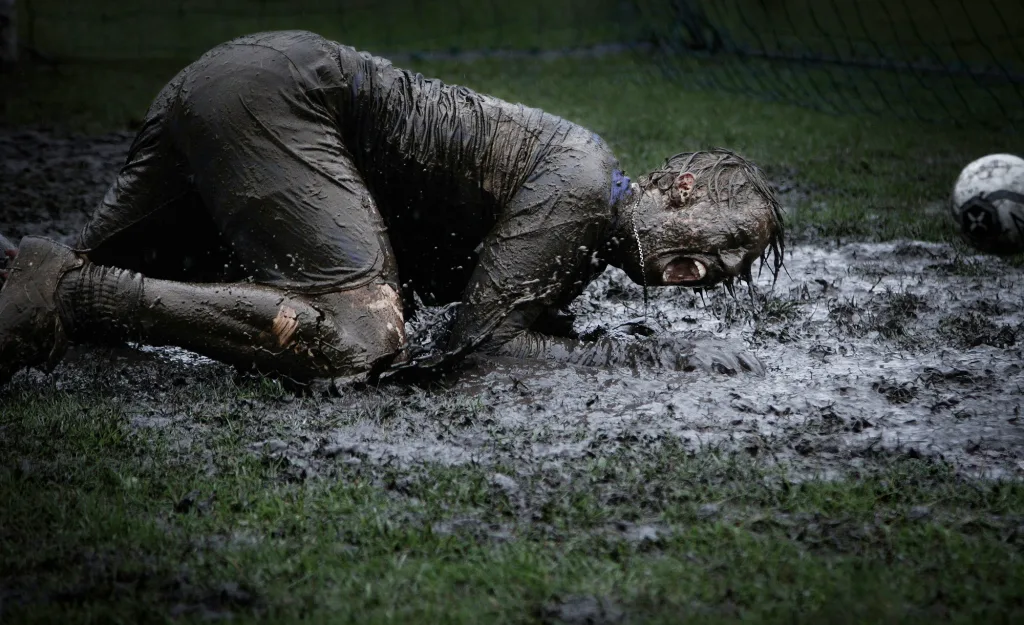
x: 104, y: 524
x: 959, y: 62
x: 153, y: 29
x: 104, y: 520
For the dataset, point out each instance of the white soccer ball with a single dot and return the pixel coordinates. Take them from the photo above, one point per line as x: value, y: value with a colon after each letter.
x: 988, y: 203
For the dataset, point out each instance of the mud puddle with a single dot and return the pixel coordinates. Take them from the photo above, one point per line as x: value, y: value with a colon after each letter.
x: 872, y: 350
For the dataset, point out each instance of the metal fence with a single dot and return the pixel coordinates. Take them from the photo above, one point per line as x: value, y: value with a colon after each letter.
x: 959, y: 61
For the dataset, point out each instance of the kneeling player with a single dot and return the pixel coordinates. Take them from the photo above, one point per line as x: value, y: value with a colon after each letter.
x: 286, y: 196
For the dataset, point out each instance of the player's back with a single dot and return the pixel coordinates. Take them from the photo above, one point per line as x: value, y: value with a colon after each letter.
x: 442, y: 161
x: 425, y: 145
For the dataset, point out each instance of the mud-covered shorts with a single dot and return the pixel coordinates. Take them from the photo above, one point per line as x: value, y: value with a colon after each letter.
x: 240, y: 172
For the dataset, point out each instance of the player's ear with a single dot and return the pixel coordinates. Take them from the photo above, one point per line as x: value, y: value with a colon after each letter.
x: 684, y: 185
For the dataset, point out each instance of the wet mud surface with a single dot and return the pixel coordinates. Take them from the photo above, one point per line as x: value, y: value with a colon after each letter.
x: 873, y: 350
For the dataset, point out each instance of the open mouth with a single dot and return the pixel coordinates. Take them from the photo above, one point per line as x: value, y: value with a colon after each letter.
x: 684, y: 271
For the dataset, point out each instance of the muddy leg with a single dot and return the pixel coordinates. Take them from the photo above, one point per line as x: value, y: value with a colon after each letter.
x: 348, y: 333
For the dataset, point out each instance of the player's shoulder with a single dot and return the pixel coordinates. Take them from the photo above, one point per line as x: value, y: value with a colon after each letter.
x: 595, y: 167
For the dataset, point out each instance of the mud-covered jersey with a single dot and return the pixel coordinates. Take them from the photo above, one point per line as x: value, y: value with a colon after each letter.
x: 444, y: 163
x: 498, y: 204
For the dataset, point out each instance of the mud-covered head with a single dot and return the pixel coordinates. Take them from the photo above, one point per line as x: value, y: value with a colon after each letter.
x: 702, y: 219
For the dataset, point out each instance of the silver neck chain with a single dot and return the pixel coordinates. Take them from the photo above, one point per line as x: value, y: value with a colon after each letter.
x: 636, y: 235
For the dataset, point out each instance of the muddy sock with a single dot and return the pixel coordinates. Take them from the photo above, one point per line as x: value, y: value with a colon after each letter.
x: 98, y: 303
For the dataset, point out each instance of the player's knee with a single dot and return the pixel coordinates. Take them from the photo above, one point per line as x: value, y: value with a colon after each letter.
x: 364, y: 330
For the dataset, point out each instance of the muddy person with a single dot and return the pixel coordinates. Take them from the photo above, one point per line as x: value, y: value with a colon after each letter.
x: 287, y: 195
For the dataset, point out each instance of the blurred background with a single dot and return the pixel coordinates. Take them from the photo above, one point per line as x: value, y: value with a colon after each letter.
x: 862, y: 111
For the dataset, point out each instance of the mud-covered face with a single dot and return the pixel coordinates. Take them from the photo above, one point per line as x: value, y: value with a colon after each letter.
x: 693, y: 236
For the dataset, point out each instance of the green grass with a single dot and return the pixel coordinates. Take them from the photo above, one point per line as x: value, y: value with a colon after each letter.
x: 853, y: 176
x: 103, y: 524
x: 154, y: 29
x: 916, y: 31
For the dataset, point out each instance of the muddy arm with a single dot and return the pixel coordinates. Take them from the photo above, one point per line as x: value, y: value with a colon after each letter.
x: 673, y: 353
x: 519, y: 279
x: 539, y: 256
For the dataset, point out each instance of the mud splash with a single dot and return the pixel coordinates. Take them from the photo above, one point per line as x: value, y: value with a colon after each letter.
x: 868, y: 354
x: 898, y: 347
x: 873, y: 350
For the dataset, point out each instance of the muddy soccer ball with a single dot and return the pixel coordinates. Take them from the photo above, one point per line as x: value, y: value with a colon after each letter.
x: 988, y: 203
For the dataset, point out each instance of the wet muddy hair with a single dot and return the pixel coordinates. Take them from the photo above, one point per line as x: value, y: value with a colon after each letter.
x: 720, y: 169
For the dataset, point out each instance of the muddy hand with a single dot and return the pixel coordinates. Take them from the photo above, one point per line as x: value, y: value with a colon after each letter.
x: 721, y: 358
x: 428, y: 331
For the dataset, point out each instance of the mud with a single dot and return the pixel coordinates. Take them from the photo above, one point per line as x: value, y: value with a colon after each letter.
x: 873, y: 350
x: 50, y: 182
